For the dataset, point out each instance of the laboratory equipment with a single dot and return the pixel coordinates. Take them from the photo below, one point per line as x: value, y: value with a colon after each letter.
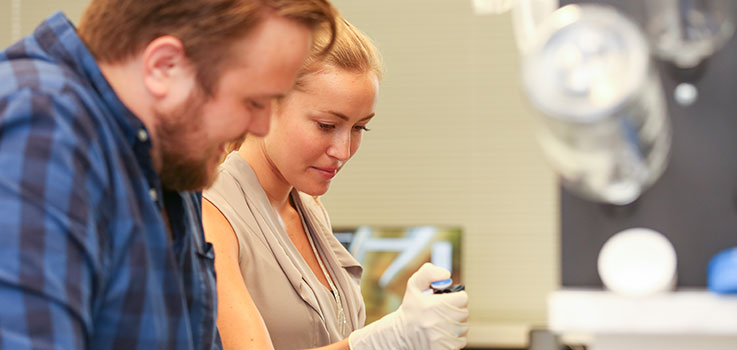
x: 722, y: 272
x: 638, y: 262
x: 603, y: 124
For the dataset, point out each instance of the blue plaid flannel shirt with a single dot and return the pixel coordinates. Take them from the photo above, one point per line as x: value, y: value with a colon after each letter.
x: 85, y: 258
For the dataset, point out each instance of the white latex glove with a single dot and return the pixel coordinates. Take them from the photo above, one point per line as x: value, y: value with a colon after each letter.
x: 422, y: 322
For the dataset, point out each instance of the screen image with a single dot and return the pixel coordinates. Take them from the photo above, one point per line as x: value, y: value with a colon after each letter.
x: 390, y: 255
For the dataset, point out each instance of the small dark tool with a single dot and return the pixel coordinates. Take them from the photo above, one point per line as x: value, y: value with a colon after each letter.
x: 451, y: 289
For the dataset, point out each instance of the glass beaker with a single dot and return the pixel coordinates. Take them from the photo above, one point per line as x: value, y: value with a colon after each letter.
x: 603, y: 123
x: 687, y: 31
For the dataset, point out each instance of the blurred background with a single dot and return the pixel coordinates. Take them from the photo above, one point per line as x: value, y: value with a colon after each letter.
x: 452, y: 170
x: 451, y: 146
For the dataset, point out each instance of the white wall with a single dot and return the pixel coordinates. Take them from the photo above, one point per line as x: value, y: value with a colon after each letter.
x: 22, y: 16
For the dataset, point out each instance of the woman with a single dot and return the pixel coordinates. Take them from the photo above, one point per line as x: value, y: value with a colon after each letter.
x: 272, y: 237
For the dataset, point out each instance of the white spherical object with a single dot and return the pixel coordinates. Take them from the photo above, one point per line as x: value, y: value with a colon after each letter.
x: 685, y: 94
x: 638, y: 262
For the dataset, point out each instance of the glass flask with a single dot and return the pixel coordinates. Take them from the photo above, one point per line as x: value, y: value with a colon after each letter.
x: 687, y: 31
x: 602, y: 121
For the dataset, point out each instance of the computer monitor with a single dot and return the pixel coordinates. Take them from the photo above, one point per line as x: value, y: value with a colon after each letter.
x: 390, y: 255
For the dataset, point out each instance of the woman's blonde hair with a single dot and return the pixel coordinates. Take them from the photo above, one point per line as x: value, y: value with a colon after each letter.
x: 352, y: 50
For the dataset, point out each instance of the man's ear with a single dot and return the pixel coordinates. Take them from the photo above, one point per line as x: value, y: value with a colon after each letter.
x: 164, y: 65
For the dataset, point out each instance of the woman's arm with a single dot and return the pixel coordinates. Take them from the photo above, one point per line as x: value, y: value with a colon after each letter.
x: 341, y: 345
x: 239, y: 321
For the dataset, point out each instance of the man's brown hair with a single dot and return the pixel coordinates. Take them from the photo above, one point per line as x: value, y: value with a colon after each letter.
x: 116, y: 30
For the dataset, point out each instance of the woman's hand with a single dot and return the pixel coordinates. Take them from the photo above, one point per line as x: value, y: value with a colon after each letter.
x: 423, y: 321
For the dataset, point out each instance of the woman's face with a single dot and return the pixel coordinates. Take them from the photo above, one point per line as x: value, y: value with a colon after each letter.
x: 317, y: 129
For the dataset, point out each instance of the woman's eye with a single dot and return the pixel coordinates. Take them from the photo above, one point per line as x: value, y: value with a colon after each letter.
x: 361, y: 128
x: 257, y: 105
x: 326, y: 126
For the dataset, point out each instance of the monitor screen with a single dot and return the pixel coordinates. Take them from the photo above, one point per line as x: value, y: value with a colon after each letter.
x: 390, y: 255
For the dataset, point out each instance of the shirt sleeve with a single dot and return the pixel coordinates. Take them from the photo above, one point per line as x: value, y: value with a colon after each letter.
x: 49, y: 247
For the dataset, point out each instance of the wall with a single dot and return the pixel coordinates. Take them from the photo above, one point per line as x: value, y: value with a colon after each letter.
x: 19, y: 17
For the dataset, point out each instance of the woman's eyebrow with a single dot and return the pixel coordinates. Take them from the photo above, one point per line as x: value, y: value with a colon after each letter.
x: 346, y: 118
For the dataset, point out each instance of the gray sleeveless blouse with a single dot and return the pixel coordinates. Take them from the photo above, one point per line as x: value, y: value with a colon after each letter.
x: 298, y: 310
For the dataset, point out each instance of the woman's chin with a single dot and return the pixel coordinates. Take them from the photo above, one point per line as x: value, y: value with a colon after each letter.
x: 314, y: 190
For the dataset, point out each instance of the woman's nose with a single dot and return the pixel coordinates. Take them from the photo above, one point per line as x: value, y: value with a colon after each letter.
x: 341, y: 147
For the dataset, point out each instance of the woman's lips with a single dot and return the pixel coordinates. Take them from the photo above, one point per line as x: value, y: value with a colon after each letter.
x: 327, y: 173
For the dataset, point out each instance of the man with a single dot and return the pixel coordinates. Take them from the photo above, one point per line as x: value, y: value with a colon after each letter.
x: 101, y: 131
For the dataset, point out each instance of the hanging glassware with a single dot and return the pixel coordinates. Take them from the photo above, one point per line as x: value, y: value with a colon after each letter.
x: 603, y: 122
x: 687, y: 31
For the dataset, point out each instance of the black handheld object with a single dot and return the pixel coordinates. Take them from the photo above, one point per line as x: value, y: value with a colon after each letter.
x: 451, y: 289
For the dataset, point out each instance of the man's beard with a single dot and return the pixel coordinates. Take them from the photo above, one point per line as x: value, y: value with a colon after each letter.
x: 184, y: 168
